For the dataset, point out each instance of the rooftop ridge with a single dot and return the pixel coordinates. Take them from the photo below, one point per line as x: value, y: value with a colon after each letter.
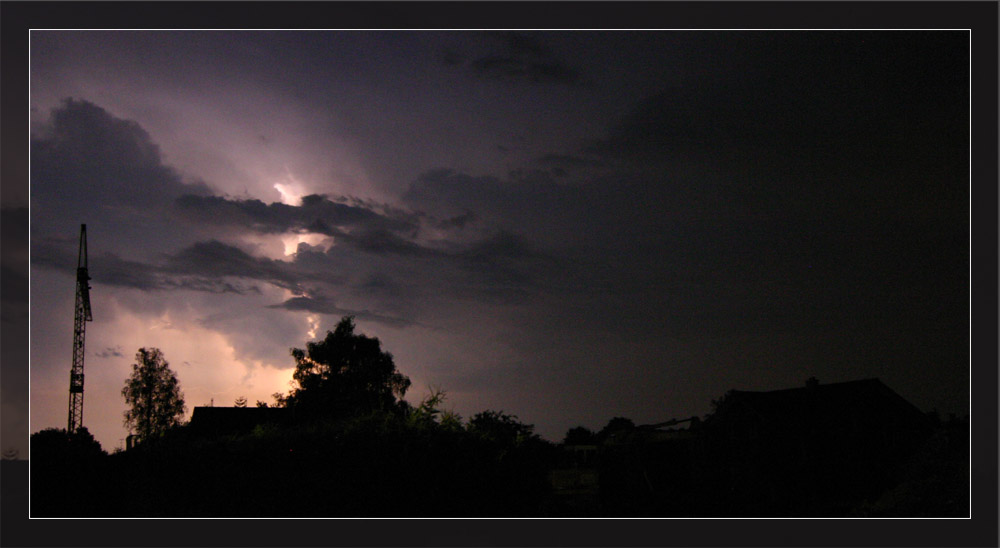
x: 870, y: 380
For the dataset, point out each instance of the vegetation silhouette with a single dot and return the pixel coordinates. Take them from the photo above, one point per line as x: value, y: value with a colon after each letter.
x: 344, y: 443
x: 579, y: 435
x: 68, y: 471
x: 153, y: 395
x: 345, y: 374
x: 616, y: 426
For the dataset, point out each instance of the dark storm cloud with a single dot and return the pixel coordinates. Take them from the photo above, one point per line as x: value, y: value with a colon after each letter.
x: 316, y: 214
x: 502, y: 265
x: 118, y: 161
x: 382, y: 285
x: 875, y: 134
x: 384, y: 242
x: 406, y: 219
x: 666, y: 122
x: 569, y: 161
x: 517, y: 57
x: 525, y: 195
x: 90, y: 167
x: 519, y: 43
x: 356, y: 226
x: 459, y: 221
x: 515, y: 69
x: 494, y: 267
x: 448, y: 186
x: 451, y: 58
x: 503, y: 245
x: 214, y: 260
x: 200, y: 267
x: 781, y: 277
x: 715, y: 254
x: 110, y: 352
x: 871, y: 91
x: 110, y: 269
x: 325, y: 305
x: 748, y: 240
x: 86, y: 155
x: 609, y: 210
x: 503, y: 268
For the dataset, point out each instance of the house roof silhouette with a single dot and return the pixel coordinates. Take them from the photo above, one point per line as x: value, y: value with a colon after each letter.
x: 859, y: 407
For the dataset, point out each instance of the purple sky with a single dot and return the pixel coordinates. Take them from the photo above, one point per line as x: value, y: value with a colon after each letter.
x: 568, y: 226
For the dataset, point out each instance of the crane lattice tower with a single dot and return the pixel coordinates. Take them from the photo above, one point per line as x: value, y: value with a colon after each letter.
x: 79, y: 330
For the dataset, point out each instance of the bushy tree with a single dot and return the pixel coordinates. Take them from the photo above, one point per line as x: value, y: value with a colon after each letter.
x: 58, y: 444
x: 153, y: 395
x: 64, y: 463
x: 579, y: 435
x: 615, y: 425
x: 500, y: 427
x: 344, y: 374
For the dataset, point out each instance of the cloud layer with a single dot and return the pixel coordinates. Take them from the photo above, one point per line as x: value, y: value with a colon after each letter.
x: 515, y: 57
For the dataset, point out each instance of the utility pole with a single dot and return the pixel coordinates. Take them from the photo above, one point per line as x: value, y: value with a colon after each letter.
x: 79, y: 327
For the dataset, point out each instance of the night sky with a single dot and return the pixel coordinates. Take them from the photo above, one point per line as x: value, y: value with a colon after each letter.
x: 567, y: 226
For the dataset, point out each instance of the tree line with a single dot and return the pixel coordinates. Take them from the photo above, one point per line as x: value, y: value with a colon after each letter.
x: 344, y: 442
x: 348, y: 444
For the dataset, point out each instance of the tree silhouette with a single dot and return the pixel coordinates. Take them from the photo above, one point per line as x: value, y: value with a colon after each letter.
x: 153, y: 395
x: 616, y: 425
x: 56, y: 443
x: 499, y: 427
x: 344, y: 374
x: 240, y: 401
x: 579, y: 435
x: 65, y: 462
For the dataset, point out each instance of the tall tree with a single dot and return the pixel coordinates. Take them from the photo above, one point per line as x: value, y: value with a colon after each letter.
x: 579, y: 435
x: 345, y: 373
x: 153, y: 395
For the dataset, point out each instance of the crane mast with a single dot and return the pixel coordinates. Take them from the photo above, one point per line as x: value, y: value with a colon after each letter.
x: 79, y: 331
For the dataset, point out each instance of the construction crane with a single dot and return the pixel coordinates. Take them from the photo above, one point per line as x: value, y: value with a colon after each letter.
x: 79, y: 330
x: 672, y: 422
